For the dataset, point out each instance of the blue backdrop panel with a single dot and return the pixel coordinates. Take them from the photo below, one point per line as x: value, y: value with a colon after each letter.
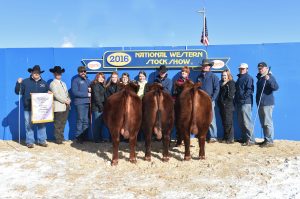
x: 283, y: 58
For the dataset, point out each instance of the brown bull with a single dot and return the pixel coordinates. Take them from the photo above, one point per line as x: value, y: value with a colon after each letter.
x: 158, y: 118
x: 122, y: 114
x: 194, y: 116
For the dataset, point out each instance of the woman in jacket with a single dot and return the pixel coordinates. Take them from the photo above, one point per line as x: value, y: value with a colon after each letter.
x: 112, y: 85
x: 226, y: 105
x: 98, y: 97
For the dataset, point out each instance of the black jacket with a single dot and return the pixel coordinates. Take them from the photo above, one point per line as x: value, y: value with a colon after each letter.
x: 111, y: 89
x: 226, y: 95
x: 98, y: 96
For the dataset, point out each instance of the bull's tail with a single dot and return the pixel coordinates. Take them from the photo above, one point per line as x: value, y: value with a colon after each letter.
x: 157, y: 127
x: 193, y: 126
x: 124, y: 129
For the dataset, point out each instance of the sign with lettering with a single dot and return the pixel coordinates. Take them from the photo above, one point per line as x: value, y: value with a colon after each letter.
x: 42, y: 108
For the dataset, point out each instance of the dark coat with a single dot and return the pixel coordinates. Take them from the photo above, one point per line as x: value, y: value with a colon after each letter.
x: 111, y: 89
x: 244, y: 89
x: 267, y: 98
x: 98, y: 96
x: 166, y: 83
x: 210, y: 84
x: 226, y: 96
x: 79, y: 89
x: 28, y: 86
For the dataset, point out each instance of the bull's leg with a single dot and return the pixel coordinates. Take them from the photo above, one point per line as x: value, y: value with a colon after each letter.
x: 201, y: 140
x: 166, y: 143
x: 148, y: 135
x: 115, y: 141
x: 187, y: 154
x: 132, y: 143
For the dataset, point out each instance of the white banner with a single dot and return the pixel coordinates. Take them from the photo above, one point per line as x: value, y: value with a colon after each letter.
x: 41, y: 108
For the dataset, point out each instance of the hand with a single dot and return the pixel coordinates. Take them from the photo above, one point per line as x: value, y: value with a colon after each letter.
x: 267, y: 77
x: 68, y: 101
x: 49, y: 92
x: 89, y: 94
x: 89, y: 89
x: 20, y: 80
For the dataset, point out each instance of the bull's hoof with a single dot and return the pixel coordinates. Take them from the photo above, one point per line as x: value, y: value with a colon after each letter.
x: 133, y: 161
x: 187, y: 158
x: 165, y: 159
x: 114, y: 162
x: 202, y: 157
x: 148, y: 158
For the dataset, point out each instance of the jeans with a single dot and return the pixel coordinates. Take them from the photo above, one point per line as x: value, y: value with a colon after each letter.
x: 97, y: 126
x: 41, y: 130
x: 212, y: 131
x: 60, y: 119
x: 266, y: 121
x: 82, y: 122
x: 244, y: 113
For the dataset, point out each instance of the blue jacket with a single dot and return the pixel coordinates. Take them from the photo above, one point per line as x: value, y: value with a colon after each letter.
x: 267, y: 98
x: 28, y: 86
x: 210, y: 84
x: 79, y: 89
x: 166, y: 83
x: 244, y: 89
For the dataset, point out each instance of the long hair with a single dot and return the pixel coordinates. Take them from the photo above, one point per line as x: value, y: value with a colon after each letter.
x: 95, y: 81
x: 185, y: 69
x: 109, y: 82
x: 228, y: 74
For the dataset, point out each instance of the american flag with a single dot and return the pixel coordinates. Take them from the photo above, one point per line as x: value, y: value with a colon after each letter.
x: 204, y: 37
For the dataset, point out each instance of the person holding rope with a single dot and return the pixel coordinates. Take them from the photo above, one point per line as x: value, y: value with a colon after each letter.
x: 266, y: 85
x: 244, y: 102
x: 61, y: 103
x: 82, y: 92
x: 33, y: 84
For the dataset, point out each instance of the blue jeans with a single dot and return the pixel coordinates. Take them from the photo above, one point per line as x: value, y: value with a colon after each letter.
x: 41, y: 130
x: 82, y: 122
x: 266, y: 121
x: 97, y: 126
x: 244, y: 113
x: 212, y: 131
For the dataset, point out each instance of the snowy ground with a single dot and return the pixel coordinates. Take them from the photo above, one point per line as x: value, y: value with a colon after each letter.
x: 84, y: 171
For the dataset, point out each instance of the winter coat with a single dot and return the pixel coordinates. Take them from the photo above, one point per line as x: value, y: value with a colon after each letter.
x: 226, y: 95
x: 111, y: 89
x: 244, y: 89
x: 28, y: 86
x: 79, y: 89
x: 267, y: 97
x: 210, y: 84
x: 98, y: 96
x: 166, y: 83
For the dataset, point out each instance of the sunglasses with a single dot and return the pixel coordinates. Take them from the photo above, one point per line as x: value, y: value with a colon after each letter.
x: 83, y: 71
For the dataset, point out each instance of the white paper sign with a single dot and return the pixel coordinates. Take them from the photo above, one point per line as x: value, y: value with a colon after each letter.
x: 41, y: 108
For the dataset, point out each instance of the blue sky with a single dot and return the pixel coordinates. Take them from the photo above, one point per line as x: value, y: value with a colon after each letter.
x: 97, y: 23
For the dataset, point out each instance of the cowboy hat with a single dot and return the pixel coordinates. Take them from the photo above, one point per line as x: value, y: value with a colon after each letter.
x: 206, y: 62
x: 162, y: 69
x: 57, y: 69
x: 35, y: 68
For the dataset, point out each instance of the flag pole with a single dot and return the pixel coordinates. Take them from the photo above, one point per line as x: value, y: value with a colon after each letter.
x: 203, y: 11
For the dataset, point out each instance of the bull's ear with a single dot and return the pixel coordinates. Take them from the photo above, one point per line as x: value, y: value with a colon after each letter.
x: 198, y: 85
x: 134, y: 86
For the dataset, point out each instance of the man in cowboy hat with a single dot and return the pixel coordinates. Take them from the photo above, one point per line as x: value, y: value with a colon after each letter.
x: 266, y: 85
x: 33, y: 84
x: 210, y: 84
x: 162, y: 78
x: 61, y: 103
x: 244, y: 101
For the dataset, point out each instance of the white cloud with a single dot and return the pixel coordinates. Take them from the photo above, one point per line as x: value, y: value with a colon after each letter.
x: 67, y: 43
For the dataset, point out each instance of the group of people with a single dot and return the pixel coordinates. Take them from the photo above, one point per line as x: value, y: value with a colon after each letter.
x: 91, y: 95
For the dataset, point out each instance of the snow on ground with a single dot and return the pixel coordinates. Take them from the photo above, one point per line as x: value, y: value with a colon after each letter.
x: 84, y: 171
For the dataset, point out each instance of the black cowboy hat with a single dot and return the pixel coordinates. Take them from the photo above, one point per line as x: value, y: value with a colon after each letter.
x: 57, y: 69
x: 206, y: 62
x: 262, y: 64
x: 35, y: 68
x: 162, y: 69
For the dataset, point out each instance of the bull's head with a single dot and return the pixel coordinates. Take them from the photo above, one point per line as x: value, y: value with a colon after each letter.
x: 188, y: 84
x: 155, y: 86
x: 132, y: 86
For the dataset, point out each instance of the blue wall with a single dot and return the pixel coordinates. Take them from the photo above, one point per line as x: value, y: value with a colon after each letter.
x: 283, y: 58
